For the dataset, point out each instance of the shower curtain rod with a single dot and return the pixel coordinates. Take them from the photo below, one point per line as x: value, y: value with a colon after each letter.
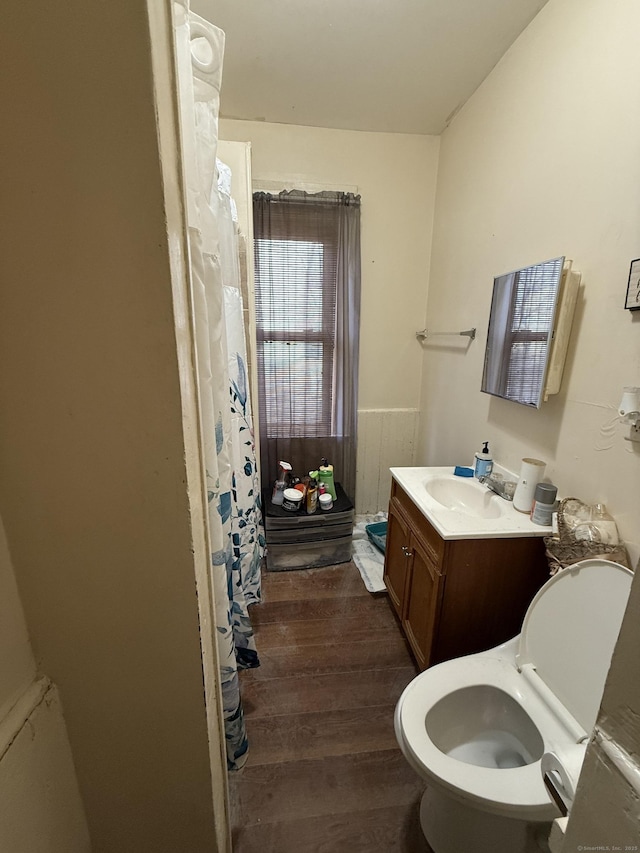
x: 425, y: 333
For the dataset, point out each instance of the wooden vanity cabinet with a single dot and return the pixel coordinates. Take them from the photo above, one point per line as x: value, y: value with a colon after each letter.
x: 456, y: 597
x: 397, y: 555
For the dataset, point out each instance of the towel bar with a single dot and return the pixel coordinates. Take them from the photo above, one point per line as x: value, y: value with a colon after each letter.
x: 425, y: 333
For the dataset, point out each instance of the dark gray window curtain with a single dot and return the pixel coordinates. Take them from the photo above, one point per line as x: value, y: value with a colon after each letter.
x: 307, y: 260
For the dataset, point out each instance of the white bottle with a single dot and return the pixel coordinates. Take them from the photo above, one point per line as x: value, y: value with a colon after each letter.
x: 484, y: 461
x: 531, y: 472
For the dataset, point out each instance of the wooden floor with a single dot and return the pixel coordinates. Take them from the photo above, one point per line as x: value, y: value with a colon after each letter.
x: 324, y: 773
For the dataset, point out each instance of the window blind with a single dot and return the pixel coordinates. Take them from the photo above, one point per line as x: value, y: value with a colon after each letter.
x: 532, y: 313
x: 296, y: 320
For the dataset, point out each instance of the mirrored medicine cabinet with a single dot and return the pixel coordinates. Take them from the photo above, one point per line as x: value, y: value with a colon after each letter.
x: 529, y: 324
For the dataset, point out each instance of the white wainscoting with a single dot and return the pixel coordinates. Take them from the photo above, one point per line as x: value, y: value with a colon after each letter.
x: 386, y: 439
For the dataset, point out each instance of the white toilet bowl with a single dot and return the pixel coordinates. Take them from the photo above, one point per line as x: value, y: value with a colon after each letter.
x: 476, y: 728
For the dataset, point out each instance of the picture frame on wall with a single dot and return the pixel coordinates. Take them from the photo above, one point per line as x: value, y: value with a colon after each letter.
x: 632, y: 300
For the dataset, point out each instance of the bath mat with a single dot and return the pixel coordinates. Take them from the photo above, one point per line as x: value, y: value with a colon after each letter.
x: 368, y: 559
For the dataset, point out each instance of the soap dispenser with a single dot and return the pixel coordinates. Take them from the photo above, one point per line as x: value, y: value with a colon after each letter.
x: 484, y: 461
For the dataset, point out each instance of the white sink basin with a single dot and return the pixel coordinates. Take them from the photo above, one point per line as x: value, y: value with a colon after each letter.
x: 463, y: 508
x: 466, y: 496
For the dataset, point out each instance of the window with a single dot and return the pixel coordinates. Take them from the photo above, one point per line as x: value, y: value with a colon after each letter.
x: 307, y: 254
x: 296, y: 319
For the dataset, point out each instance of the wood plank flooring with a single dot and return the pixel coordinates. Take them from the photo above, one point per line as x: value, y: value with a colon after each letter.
x: 325, y: 774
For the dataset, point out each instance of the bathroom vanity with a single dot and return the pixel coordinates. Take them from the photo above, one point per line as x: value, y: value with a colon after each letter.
x: 461, y: 564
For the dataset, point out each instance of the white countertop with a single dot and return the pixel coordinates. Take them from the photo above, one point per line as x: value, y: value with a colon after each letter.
x: 454, y: 523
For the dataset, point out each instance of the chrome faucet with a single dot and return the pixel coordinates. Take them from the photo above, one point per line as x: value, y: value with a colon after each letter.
x: 497, y: 483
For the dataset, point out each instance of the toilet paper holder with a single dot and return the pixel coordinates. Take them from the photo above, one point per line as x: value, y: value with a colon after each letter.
x: 560, y: 773
x: 554, y: 787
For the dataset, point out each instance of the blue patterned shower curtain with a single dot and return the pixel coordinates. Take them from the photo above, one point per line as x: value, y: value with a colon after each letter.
x: 247, y: 533
x: 234, y: 513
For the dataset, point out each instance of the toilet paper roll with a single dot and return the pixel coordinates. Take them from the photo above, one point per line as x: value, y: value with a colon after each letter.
x: 563, y: 765
x: 531, y: 472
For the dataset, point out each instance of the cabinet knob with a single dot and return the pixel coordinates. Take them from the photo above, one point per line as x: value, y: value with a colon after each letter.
x: 406, y: 551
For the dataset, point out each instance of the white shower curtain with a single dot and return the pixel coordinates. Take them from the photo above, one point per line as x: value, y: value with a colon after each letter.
x: 234, y: 516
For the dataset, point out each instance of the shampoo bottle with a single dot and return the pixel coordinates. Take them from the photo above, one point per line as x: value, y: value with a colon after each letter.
x: 325, y: 475
x: 484, y: 461
x: 312, y: 495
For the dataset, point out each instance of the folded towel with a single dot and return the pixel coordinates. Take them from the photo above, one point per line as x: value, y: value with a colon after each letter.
x: 368, y: 559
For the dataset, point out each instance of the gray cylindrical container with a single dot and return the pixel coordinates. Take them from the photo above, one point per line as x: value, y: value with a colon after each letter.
x: 544, y: 503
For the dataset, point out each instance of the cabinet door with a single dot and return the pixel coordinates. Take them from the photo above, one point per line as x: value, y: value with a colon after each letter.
x: 422, y: 601
x: 397, y: 556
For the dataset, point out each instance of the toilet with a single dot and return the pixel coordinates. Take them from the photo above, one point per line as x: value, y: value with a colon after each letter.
x: 476, y: 728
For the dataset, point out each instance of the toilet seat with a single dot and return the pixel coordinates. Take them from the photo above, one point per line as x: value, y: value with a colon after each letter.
x: 516, y: 792
x: 570, y: 630
x: 560, y: 623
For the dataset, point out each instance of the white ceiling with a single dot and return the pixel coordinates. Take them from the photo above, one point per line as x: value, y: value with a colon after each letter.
x: 404, y: 66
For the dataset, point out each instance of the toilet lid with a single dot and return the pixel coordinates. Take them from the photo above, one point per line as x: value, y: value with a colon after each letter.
x: 570, y: 630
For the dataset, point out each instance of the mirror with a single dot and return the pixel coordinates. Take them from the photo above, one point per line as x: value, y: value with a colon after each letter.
x: 523, y: 309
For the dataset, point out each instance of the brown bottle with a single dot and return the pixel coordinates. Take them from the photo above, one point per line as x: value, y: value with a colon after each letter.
x: 312, y: 496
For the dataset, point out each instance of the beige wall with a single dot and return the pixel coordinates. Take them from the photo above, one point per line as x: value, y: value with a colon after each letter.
x: 606, y: 809
x: 542, y: 161
x: 40, y: 805
x: 17, y: 664
x: 92, y: 455
x: 395, y: 175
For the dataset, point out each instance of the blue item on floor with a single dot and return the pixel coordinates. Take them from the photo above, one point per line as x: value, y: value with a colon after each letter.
x: 378, y: 534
